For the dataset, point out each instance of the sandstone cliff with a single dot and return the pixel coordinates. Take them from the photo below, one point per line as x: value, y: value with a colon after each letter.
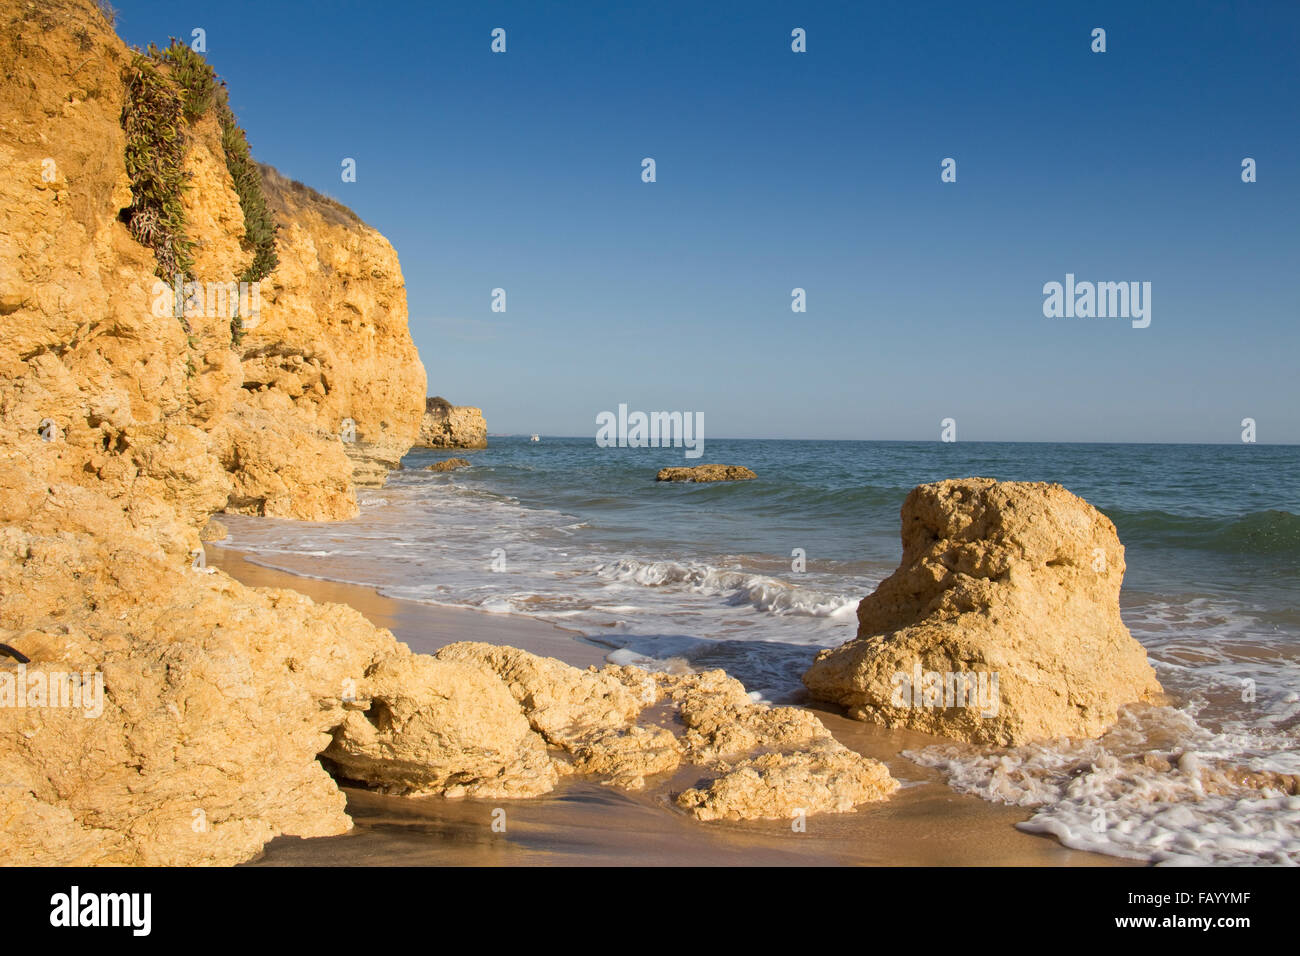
x: 452, y: 426
x: 333, y: 347
x: 1001, y: 624
x: 123, y: 426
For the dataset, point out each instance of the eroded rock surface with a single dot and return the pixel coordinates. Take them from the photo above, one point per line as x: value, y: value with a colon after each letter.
x: 452, y: 426
x: 1001, y: 624
x: 122, y: 430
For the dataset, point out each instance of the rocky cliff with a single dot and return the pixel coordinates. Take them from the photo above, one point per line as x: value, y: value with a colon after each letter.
x: 452, y: 426
x: 124, y: 423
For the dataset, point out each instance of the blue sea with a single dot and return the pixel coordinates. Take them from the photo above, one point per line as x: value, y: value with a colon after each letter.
x: 755, y: 576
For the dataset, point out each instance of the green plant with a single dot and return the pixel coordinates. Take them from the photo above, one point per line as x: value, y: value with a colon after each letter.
x: 155, y: 152
x: 202, y: 90
x: 165, y: 88
x: 192, y: 73
x: 259, y: 224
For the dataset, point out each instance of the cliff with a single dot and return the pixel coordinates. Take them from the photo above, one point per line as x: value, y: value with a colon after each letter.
x: 124, y: 426
x: 452, y: 426
x: 356, y: 374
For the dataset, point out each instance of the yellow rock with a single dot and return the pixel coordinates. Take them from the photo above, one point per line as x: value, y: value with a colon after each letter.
x: 452, y: 426
x: 1001, y: 624
x: 706, y: 473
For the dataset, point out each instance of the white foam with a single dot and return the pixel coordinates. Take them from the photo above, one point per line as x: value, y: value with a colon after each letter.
x: 1099, y: 795
x: 761, y: 592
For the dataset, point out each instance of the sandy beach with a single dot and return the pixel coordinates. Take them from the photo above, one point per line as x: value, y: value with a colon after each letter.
x: 582, y: 823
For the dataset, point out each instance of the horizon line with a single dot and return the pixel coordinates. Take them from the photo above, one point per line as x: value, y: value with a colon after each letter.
x: 920, y: 441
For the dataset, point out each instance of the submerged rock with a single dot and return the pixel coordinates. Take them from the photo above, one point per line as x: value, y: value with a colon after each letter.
x: 449, y: 465
x: 1001, y: 624
x: 706, y: 473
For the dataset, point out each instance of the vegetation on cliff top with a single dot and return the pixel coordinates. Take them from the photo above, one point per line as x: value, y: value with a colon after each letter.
x: 202, y: 90
x: 159, y: 103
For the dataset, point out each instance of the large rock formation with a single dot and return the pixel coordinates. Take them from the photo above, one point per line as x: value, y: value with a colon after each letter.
x: 452, y: 426
x: 122, y: 429
x: 331, y: 386
x: 1001, y: 624
x: 331, y: 351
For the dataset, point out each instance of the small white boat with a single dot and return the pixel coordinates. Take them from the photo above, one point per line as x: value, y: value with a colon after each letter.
x: 536, y: 438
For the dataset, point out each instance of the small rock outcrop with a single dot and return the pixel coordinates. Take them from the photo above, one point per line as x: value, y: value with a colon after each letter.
x: 451, y: 426
x: 451, y: 464
x: 446, y: 725
x: 706, y: 473
x: 430, y: 726
x: 1001, y: 624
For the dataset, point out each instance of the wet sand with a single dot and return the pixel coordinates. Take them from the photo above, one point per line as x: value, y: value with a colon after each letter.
x: 582, y: 823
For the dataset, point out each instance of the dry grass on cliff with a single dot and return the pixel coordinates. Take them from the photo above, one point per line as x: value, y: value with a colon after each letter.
x: 287, y: 195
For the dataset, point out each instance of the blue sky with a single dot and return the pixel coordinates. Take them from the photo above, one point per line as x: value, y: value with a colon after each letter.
x: 818, y: 170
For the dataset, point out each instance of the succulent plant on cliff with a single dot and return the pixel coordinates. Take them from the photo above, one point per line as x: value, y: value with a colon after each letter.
x: 155, y: 151
x: 201, y: 91
x: 192, y: 73
x: 259, y: 226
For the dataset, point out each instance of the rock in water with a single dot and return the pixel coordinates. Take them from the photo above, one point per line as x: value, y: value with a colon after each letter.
x: 449, y: 465
x: 1001, y: 624
x: 706, y: 473
x: 451, y: 426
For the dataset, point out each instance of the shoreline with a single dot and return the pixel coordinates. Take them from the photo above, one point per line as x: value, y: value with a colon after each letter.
x: 583, y: 823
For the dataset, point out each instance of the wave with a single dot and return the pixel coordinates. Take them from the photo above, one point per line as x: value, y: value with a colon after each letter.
x: 775, y: 497
x: 1260, y: 532
x: 761, y: 592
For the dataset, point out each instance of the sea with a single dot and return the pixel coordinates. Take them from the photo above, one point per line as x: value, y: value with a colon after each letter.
x: 756, y: 576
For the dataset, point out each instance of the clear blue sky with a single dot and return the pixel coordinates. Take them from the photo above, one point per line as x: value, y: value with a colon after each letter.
x: 818, y: 170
